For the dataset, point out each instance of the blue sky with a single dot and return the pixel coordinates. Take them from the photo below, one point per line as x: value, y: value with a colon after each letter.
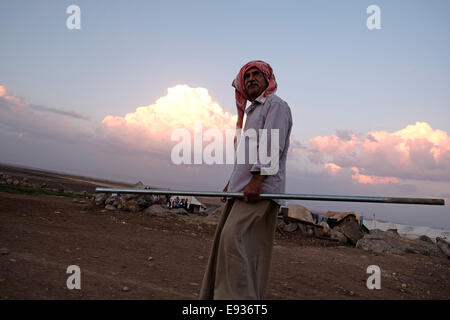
x: 334, y: 72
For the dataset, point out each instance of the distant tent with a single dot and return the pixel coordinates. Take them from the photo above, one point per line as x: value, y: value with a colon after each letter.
x: 139, y: 185
x: 196, y: 205
x: 192, y: 203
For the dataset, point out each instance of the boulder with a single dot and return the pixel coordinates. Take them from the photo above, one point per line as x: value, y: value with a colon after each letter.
x: 99, y: 198
x: 325, y: 227
x: 299, y: 212
x: 157, y: 210
x: 444, y: 246
x: 133, y: 206
x: 337, y: 235
x: 280, y: 224
x: 393, y: 231
x: 383, y: 242
x: 425, y: 238
x: 110, y: 207
x: 290, y: 227
x: 350, y: 227
x: 143, y: 202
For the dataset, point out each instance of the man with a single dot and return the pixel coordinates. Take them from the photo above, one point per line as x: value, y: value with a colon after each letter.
x: 238, y: 267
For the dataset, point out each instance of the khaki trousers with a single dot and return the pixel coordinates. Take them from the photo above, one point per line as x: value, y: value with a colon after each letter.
x: 239, y: 264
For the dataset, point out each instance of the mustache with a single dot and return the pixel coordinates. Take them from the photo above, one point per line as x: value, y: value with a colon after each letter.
x: 252, y: 83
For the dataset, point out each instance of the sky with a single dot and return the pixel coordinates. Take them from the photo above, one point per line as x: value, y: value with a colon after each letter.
x: 370, y: 108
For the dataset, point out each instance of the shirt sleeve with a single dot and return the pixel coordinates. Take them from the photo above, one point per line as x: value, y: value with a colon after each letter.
x: 278, y: 122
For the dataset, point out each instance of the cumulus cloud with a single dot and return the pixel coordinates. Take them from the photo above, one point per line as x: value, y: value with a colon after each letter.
x: 416, y: 152
x: 182, y: 107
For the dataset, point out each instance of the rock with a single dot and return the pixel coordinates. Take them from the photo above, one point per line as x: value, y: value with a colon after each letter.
x: 9, y: 181
x: 281, y: 224
x: 113, y: 200
x: 125, y: 289
x: 142, y: 202
x: 350, y: 227
x: 299, y: 212
x: 326, y: 228
x: 384, y: 242
x: 100, y: 198
x: 425, y: 238
x: 157, y: 210
x: 404, y: 286
x: 302, y: 228
x: 393, y: 231
x: 110, y: 207
x: 291, y: 227
x: 4, y: 251
x: 444, y: 246
x: 44, y: 185
x: 16, y: 182
x: 337, y: 235
x: 426, y: 248
x: 319, y: 232
x: 310, y: 230
x: 133, y: 206
x: 150, y: 258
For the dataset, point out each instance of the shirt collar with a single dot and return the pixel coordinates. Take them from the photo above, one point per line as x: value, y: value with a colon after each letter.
x: 254, y: 104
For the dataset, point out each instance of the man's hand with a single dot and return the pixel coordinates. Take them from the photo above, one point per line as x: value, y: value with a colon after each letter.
x: 252, y: 190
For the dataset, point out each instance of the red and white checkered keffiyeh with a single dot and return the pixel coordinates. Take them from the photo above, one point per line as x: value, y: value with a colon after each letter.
x: 238, y: 83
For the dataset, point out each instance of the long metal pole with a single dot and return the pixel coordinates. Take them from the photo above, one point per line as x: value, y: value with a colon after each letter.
x: 313, y: 197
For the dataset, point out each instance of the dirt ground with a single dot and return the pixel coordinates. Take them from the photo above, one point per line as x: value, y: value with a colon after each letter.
x: 133, y: 256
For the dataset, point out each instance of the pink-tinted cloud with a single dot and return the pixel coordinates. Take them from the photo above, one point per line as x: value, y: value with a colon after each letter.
x: 332, y: 168
x: 151, y: 126
x: 415, y: 152
x: 364, y: 179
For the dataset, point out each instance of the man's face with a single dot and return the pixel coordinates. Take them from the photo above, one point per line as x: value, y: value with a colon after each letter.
x: 255, y: 83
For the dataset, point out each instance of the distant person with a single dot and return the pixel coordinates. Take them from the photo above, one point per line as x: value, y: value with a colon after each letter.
x: 238, y: 267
